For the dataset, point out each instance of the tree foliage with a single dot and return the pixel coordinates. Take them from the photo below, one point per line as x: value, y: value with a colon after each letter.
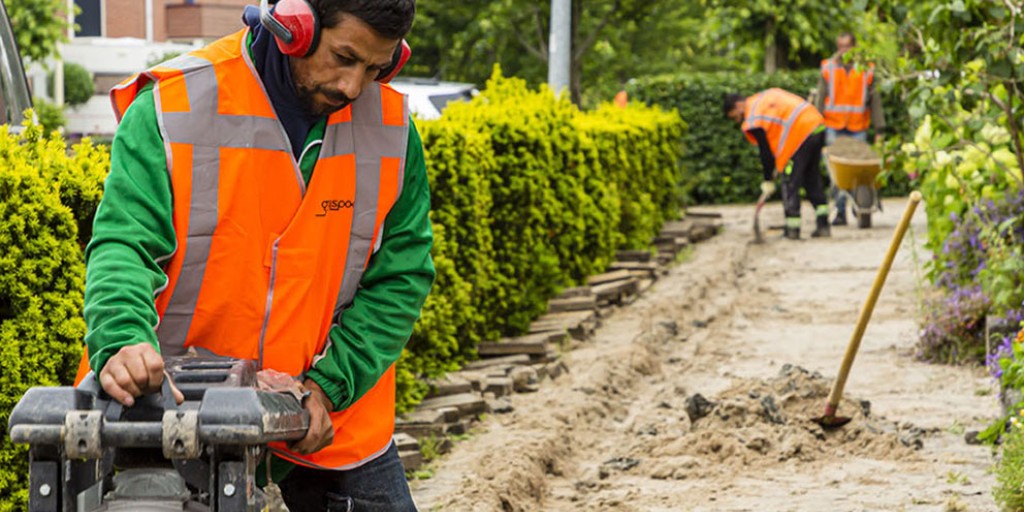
x: 38, y: 26
x: 613, y: 41
x: 783, y: 34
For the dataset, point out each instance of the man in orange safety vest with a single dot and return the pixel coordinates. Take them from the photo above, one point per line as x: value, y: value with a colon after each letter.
x: 789, y: 133
x: 849, y: 100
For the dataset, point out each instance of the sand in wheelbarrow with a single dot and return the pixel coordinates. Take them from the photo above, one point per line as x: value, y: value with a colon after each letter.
x: 851, y: 148
x: 760, y: 423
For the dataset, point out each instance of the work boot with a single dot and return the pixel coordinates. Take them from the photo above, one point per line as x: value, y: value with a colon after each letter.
x: 822, y: 230
x: 840, y: 219
x: 791, y: 233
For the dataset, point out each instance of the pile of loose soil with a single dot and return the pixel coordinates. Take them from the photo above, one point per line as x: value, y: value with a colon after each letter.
x: 851, y: 148
x: 762, y: 423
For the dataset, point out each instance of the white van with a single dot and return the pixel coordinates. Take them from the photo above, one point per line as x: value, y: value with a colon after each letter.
x: 427, y: 97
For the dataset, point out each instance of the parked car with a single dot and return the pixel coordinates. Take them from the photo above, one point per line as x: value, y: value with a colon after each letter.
x: 15, y: 96
x: 428, y: 98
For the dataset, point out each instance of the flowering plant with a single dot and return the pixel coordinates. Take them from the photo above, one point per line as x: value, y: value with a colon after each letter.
x: 1010, y: 361
x: 978, y: 273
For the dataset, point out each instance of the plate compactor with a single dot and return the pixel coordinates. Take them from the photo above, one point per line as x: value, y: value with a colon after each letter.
x: 89, y: 454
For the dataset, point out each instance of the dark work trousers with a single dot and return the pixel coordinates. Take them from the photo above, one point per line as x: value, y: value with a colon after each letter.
x: 378, y: 485
x: 805, y: 173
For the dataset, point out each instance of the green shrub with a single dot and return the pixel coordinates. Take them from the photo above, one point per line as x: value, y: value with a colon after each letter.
x: 722, y: 166
x: 1009, y: 492
x: 530, y: 195
x: 49, y: 115
x: 78, y: 85
x: 41, y: 275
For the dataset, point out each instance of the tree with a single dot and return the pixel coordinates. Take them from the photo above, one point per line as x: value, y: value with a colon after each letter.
x: 38, y: 26
x: 613, y: 40
x: 973, y: 47
x: 783, y: 34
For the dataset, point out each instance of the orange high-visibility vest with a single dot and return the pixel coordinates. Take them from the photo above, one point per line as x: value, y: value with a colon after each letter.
x: 265, y: 262
x: 846, y: 106
x: 785, y: 117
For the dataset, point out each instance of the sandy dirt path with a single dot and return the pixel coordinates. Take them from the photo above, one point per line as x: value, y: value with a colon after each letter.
x: 747, y: 328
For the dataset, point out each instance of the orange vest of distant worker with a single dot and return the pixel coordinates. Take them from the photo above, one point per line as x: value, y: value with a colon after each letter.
x: 265, y: 263
x: 785, y: 117
x: 846, y: 106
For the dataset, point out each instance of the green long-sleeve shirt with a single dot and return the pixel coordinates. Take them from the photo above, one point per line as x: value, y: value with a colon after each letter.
x: 133, y: 235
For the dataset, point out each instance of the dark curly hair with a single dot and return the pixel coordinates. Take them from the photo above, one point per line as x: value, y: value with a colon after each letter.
x: 389, y: 18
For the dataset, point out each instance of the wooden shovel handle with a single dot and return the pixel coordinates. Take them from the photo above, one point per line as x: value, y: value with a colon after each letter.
x: 869, y: 304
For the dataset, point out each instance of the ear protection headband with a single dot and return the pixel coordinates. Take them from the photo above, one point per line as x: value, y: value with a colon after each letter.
x: 296, y: 28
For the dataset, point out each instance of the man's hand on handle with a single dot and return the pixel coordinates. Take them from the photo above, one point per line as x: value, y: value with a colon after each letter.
x: 321, y: 431
x: 133, y: 371
x: 767, y: 188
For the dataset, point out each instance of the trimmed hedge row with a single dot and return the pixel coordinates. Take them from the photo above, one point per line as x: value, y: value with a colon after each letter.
x: 722, y: 166
x: 42, y: 274
x: 530, y: 195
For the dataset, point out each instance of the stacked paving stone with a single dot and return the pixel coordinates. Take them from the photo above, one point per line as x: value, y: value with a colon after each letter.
x: 520, y: 364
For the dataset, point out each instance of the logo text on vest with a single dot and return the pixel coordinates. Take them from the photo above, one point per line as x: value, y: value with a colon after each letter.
x: 333, y: 205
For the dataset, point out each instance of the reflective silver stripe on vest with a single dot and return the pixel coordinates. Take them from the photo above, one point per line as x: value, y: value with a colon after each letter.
x: 787, y: 125
x: 201, y: 86
x: 831, y: 84
x: 375, y: 141
x: 754, y: 116
x: 845, y: 109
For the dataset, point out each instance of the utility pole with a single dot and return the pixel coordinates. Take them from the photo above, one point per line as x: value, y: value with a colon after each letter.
x: 149, y: 21
x: 560, y: 45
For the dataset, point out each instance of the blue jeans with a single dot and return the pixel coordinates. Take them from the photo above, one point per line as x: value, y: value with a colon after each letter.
x: 830, y: 137
x: 378, y: 485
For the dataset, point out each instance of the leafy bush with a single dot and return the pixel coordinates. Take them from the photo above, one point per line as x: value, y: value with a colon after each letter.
x: 50, y: 115
x: 42, y: 274
x: 1009, y: 493
x: 722, y: 166
x: 978, y: 274
x: 530, y: 195
x: 78, y: 85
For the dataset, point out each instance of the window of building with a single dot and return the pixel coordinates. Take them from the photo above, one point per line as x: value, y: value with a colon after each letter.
x: 89, y: 18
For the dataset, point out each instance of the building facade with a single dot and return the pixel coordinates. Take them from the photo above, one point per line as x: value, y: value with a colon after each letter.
x: 114, y: 39
x: 159, y: 20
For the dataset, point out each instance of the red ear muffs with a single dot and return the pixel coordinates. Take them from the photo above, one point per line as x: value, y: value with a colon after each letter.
x: 400, y: 57
x: 294, y: 24
x: 296, y: 29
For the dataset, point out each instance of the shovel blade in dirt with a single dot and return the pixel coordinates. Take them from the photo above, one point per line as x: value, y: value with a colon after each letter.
x: 758, y: 237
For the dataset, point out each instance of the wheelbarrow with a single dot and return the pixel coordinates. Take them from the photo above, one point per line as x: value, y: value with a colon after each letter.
x: 857, y: 179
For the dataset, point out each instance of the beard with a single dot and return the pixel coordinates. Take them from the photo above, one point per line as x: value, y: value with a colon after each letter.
x: 307, y: 97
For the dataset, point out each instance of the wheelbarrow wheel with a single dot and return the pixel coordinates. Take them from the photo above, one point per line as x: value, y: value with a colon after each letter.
x: 863, y: 220
x: 864, y: 199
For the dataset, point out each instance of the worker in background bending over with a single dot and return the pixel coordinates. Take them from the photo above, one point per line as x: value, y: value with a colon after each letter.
x: 268, y: 200
x: 850, y: 103
x: 790, y: 134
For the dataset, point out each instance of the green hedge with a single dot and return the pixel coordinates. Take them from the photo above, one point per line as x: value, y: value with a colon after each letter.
x: 722, y: 166
x: 42, y: 274
x: 530, y: 195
